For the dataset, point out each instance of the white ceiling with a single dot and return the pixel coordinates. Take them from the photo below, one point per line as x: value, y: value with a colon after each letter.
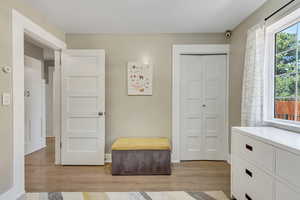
x: 145, y: 16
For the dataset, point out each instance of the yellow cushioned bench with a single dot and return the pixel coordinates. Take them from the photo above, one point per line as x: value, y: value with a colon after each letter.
x: 141, y: 156
x: 141, y: 144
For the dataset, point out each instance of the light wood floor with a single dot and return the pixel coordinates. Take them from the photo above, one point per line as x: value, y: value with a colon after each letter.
x: 41, y: 175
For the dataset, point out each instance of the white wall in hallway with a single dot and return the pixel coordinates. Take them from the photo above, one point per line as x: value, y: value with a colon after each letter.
x: 49, y: 100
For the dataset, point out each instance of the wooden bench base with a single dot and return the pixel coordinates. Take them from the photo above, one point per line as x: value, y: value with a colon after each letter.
x: 141, y: 162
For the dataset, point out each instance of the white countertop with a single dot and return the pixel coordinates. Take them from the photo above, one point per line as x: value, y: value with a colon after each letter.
x: 287, y: 140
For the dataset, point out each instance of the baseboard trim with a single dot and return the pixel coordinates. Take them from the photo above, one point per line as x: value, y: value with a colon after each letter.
x: 12, y: 195
x: 36, y: 149
x: 229, y: 159
x: 107, y: 158
x: 22, y: 197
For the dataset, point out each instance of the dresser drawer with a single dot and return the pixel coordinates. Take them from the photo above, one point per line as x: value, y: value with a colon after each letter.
x: 283, y: 192
x: 237, y: 187
x: 288, y: 167
x: 263, y: 155
x: 251, y: 183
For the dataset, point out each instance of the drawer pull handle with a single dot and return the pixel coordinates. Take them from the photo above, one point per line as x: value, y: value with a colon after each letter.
x: 248, y: 172
x: 250, y: 148
x: 248, y: 197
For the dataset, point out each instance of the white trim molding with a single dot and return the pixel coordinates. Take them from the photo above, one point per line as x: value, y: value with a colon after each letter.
x: 229, y: 159
x: 56, y: 105
x: 22, y: 25
x: 107, y: 158
x: 192, y: 49
x: 11, y: 195
x: 269, y: 74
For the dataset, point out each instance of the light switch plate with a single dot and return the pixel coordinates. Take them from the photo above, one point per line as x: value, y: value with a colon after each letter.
x: 6, y: 99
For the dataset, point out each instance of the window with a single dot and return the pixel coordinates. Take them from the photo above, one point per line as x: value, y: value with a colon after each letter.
x: 282, y: 72
x: 287, y: 77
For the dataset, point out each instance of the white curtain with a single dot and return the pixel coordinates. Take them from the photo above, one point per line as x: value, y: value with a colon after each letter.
x: 252, y: 96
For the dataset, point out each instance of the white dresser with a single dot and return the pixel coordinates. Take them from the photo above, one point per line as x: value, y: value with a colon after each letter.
x: 265, y: 164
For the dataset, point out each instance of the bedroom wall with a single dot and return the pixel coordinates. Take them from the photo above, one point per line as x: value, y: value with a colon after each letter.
x: 33, y: 51
x: 129, y: 116
x: 237, y: 50
x: 6, y: 141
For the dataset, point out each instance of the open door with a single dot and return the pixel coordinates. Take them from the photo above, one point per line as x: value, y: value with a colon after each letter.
x: 83, y: 107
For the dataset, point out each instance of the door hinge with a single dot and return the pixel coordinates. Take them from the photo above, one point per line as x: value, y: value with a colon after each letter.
x: 60, y: 144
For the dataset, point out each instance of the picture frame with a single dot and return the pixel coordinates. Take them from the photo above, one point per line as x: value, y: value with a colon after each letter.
x: 139, y: 78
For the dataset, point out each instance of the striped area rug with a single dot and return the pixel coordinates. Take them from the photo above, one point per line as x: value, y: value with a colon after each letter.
x: 211, y: 195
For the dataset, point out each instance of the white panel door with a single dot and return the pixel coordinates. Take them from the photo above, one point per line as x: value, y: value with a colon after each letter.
x: 203, y: 99
x: 34, y: 134
x: 191, y: 142
x: 83, y: 107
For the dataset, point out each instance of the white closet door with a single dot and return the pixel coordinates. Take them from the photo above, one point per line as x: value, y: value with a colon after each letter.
x: 83, y: 107
x: 191, y: 142
x: 214, y: 124
x: 34, y: 137
x: 203, y: 92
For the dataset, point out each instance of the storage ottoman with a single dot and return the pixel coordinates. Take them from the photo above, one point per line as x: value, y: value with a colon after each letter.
x: 141, y: 156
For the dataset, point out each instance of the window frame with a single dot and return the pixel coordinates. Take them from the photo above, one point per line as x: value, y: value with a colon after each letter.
x: 269, y: 71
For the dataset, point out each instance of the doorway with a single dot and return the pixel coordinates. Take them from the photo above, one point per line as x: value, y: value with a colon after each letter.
x: 39, y: 137
x: 38, y: 95
x: 200, y: 102
x: 21, y: 25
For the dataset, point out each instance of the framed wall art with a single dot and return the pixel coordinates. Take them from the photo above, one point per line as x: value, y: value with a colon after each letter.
x: 139, y: 78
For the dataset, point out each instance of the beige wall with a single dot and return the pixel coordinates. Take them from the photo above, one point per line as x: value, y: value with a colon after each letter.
x: 237, y: 48
x: 33, y: 51
x: 6, y: 135
x: 138, y: 115
x: 6, y: 145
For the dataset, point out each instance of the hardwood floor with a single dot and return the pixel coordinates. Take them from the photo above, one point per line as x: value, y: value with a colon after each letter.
x: 41, y: 175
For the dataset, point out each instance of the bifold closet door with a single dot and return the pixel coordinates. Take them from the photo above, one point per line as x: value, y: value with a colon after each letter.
x: 203, y: 107
x: 83, y: 107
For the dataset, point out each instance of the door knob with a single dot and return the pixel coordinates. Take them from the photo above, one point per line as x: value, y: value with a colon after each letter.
x: 203, y: 105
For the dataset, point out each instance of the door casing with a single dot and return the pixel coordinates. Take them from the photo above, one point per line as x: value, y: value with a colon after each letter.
x: 177, y: 51
x: 22, y: 25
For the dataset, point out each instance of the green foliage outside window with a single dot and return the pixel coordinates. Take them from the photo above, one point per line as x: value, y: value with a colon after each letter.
x: 287, y: 66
